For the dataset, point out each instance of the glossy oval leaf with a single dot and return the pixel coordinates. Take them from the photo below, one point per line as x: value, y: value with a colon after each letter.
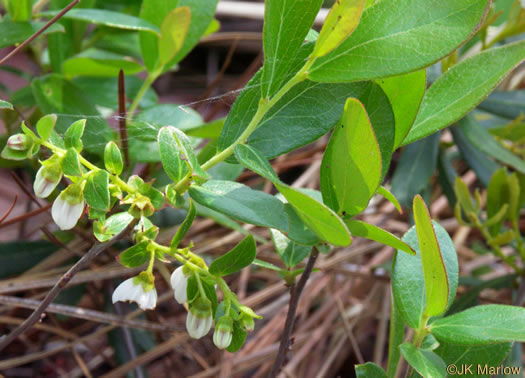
x: 369, y: 370
x: 172, y: 33
x: 96, y: 191
x: 405, y: 103
x: 319, y: 218
x: 99, y: 63
x: 290, y: 252
x: 371, y: 232
x: 107, y: 18
x: 254, y: 160
x: 135, y: 256
x: 396, y: 37
x: 202, y: 12
x: 286, y: 24
x: 434, y: 270
x: 308, y: 111
x: 482, y: 325
x: 463, y: 87
x: 341, y: 21
x: 186, y: 148
x: 351, y: 167
x: 175, y: 167
x: 12, y: 32
x: 238, y: 258
x: 408, y: 284
x: 45, y: 126
x: 425, y: 362
x: 153, y: 11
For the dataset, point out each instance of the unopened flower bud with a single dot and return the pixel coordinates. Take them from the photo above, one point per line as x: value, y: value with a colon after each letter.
x: 19, y: 142
x: 199, y: 319
x: 247, y: 323
x: 179, y: 284
x: 222, y: 337
x: 68, y: 207
x: 46, y: 180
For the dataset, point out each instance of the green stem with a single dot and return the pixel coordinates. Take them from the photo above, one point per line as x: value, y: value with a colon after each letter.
x: 152, y: 76
x: 199, y: 284
x: 264, y: 106
x: 151, y: 262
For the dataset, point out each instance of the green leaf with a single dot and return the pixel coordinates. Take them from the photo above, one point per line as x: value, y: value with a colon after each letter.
x: 482, y: 325
x: 186, y: 148
x: 348, y: 180
x: 340, y: 22
x: 113, y: 159
x: 73, y: 135
x: 286, y: 24
x: 95, y: 62
x: 252, y: 206
x: 172, y: 33
x: 241, y: 202
x: 12, y: 32
x: 202, y: 12
x: 426, y: 363
x: 434, y: 270
x: 497, y: 195
x: 481, y: 164
x: 267, y: 265
x: 56, y: 95
x: 174, y: 166
x: 19, y: 10
x: 509, y: 104
x: 474, y: 356
x: 185, y: 226
x: 238, y: 258
x: 45, y: 126
x: 399, y: 37
x: 414, y: 169
x: 408, y: 284
x: 390, y: 197
x: 369, y: 370
x: 107, y: 18
x: 308, y: 111
x: 71, y: 163
x: 371, y: 232
x: 254, y: 160
x: 486, y: 143
x: 462, y: 87
x: 405, y: 103
x: 135, y: 256
x: 319, y: 218
x: 96, y: 190
x: 112, y: 226
x: 5, y: 105
x: 290, y: 253
x: 238, y: 338
x: 153, y: 11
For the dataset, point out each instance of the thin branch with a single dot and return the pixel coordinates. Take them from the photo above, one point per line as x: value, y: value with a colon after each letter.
x: 91, y: 315
x: 42, y: 29
x: 295, y: 295
x: 9, y: 210
x: 59, y: 286
x: 123, y: 129
x: 26, y: 215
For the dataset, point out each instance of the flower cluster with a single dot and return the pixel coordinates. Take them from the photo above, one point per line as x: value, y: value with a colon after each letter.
x: 99, y: 190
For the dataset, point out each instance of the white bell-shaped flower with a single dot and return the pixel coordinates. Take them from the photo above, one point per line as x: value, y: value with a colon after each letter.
x: 19, y: 142
x: 179, y: 284
x: 133, y: 290
x: 68, y: 207
x: 46, y: 181
x: 222, y: 337
x: 199, y: 319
